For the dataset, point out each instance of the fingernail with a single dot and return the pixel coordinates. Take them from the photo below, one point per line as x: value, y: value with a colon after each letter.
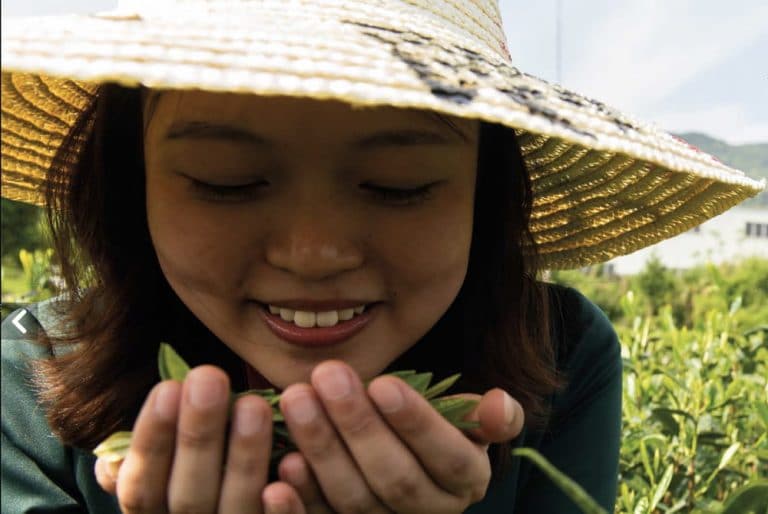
x: 509, y: 409
x: 333, y: 381
x: 166, y: 402
x: 248, y: 419
x: 204, y: 392
x: 302, y: 408
x: 388, y: 397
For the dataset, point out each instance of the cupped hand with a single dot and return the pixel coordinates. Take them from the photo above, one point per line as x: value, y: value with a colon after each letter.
x: 179, y: 461
x: 385, y: 449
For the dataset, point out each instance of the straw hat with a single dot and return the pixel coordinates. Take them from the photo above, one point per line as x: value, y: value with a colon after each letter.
x: 604, y: 184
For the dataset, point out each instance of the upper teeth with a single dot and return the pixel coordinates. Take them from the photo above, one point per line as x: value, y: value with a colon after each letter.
x: 307, y: 319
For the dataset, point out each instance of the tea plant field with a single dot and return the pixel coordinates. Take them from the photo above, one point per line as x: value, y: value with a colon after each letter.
x: 695, y: 413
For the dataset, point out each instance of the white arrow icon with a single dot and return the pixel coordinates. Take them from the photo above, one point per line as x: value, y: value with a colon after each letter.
x: 18, y: 325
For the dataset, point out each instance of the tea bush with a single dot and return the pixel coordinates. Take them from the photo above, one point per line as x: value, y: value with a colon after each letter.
x: 695, y: 414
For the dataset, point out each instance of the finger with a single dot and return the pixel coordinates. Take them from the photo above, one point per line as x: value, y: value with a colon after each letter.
x: 106, y: 474
x: 339, y: 478
x: 295, y: 471
x: 196, y: 474
x: 501, y: 417
x: 281, y: 498
x: 391, y: 469
x: 453, y: 461
x: 143, y: 477
x: 247, y: 466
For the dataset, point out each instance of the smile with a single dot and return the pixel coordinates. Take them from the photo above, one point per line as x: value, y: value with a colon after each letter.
x: 321, y: 328
x: 308, y: 319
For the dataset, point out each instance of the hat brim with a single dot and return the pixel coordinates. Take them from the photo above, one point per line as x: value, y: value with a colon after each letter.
x: 604, y: 184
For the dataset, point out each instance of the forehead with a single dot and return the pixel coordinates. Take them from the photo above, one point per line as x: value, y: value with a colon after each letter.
x: 276, y: 113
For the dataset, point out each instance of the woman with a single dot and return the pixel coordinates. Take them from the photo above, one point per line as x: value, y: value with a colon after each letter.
x: 305, y: 197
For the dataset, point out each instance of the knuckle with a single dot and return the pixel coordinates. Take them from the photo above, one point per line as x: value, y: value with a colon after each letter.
x: 184, y: 503
x: 185, y: 507
x: 460, y: 466
x: 356, y: 504
x: 245, y: 465
x: 153, y: 441
x: 135, y: 500
x: 153, y: 448
x: 413, y: 420
x: 195, y: 439
x: 320, y: 444
x: 403, y: 489
x: 134, y: 495
x: 360, y: 423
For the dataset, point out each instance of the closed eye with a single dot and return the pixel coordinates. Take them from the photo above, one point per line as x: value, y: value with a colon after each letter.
x: 220, y: 192
x: 398, y: 196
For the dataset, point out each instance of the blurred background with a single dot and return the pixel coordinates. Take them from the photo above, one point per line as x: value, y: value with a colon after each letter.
x: 691, y: 312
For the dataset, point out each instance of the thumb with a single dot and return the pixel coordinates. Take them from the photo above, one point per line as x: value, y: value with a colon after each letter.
x: 500, y: 416
x: 106, y: 474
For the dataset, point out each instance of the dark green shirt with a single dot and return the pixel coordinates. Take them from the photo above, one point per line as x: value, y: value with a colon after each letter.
x: 581, y: 438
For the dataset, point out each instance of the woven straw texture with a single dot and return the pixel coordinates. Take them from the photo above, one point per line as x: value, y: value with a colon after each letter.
x: 604, y: 184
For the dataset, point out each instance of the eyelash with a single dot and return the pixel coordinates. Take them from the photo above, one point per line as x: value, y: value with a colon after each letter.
x: 393, y: 196
x: 227, y: 193
x: 402, y: 197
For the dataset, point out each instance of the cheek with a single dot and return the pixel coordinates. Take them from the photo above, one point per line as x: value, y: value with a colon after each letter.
x: 428, y: 261
x: 193, y: 251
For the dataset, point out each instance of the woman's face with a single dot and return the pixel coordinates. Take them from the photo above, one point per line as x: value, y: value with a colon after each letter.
x: 255, y: 201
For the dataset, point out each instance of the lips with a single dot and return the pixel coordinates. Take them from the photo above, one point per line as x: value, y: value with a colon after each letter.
x: 317, y: 336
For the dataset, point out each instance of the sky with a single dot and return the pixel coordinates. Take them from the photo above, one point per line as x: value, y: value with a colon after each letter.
x: 684, y: 65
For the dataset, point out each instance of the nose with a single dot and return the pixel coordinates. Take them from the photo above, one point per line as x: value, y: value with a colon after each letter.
x: 314, y: 243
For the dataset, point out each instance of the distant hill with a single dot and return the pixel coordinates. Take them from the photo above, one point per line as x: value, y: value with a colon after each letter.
x: 752, y: 159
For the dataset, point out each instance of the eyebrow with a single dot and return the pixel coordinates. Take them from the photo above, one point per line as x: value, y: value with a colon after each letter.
x: 382, y: 139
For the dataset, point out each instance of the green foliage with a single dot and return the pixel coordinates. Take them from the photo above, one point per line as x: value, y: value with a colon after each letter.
x: 695, y: 415
x: 21, y: 228
x: 657, y: 283
x: 693, y: 431
x: 38, y: 278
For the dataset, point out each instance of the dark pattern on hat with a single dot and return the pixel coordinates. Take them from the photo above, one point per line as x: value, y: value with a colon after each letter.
x: 456, y: 73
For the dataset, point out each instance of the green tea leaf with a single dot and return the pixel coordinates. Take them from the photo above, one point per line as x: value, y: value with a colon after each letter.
x: 647, y: 463
x: 114, y: 448
x: 454, y: 409
x: 752, y: 498
x: 419, y: 381
x: 571, y: 489
x: 465, y: 425
x: 661, y: 489
x: 441, y: 386
x: 641, y: 507
x: 170, y: 364
x: 735, y: 306
x: 728, y: 455
x: 268, y: 394
x: 762, y: 410
x: 404, y: 374
x: 668, y: 422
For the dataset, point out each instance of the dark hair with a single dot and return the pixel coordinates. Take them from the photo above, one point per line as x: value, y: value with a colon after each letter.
x: 119, y: 306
